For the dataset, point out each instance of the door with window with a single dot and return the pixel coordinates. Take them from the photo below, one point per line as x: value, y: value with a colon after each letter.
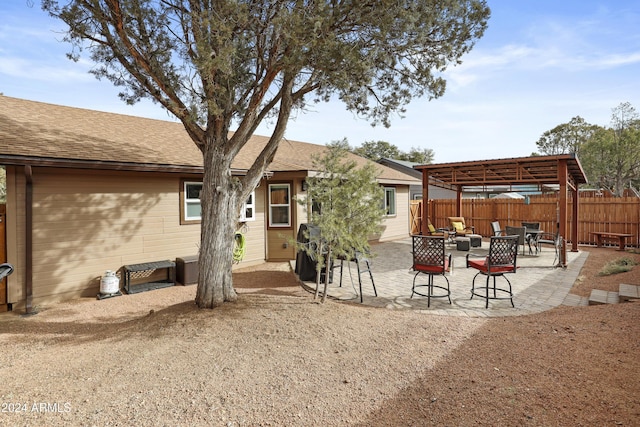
x: 280, y: 221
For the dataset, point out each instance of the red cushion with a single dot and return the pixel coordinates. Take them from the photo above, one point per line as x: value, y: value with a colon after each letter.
x: 482, y: 266
x: 437, y: 269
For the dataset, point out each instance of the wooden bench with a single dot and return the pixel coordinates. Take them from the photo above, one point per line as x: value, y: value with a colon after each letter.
x: 621, y: 238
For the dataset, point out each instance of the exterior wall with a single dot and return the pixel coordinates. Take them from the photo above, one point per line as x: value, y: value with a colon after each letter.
x: 302, y: 215
x: 440, y: 193
x: 415, y: 192
x: 87, y: 221
x: 394, y: 227
x: 15, y: 228
x: 254, y: 232
x: 397, y: 226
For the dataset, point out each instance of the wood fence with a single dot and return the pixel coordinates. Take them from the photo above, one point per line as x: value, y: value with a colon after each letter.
x: 610, y: 214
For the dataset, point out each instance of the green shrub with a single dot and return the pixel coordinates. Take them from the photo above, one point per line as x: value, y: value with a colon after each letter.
x: 616, y: 266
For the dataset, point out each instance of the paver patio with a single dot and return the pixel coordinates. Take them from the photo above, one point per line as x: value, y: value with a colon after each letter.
x: 537, y: 286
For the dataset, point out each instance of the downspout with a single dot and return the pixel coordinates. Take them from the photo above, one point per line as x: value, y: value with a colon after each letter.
x: 28, y: 230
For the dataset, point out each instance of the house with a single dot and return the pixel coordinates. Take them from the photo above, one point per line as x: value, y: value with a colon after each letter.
x: 89, y: 191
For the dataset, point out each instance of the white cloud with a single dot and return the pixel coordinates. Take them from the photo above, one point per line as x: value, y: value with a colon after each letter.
x: 30, y: 69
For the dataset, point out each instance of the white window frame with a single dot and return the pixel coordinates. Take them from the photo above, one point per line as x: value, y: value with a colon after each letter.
x: 287, y: 205
x: 188, y: 201
x: 243, y: 217
x: 392, y: 210
x: 246, y: 205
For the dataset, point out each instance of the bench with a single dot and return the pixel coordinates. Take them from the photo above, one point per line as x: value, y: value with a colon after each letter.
x: 621, y: 238
x: 146, y: 278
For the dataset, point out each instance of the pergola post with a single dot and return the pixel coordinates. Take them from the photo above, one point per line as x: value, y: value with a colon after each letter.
x: 562, y: 201
x: 424, y: 227
x: 574, y: 223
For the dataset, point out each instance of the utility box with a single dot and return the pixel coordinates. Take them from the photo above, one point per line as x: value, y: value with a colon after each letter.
x: 187, y: 270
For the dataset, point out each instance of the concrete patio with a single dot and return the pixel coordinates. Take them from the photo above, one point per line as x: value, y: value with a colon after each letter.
x: 537, y: 285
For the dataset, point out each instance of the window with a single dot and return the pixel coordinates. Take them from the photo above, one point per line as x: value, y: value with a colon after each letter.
x: 279, y: 205
x: 389, y: 201
x: 192, y: 209
x: 248, y: 211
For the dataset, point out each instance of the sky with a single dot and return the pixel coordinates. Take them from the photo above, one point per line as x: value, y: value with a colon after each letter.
x: 539, y: 64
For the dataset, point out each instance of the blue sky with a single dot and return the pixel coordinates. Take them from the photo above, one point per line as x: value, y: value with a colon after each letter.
x: 539, y: 64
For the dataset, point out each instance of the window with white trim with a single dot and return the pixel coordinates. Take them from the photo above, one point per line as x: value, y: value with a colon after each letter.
x: 390, y: 201
x: 192, y: 209
x: 248, y: 211
x: 279, y: 205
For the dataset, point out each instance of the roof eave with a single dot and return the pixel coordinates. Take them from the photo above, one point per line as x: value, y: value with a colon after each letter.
x: 13, y: 160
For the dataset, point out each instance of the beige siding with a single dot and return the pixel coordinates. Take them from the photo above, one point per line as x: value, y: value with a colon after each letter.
x: 395, y: 227
x: 302, y: 214
x: 15, y: 228
x: 255, y: 241
x: 86, y: 222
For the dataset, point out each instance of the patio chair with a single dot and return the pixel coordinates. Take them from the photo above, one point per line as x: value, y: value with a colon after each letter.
x: 457, y: 224
x: 503, y: 253
x: 429, y: 258
x: 495, y: 228
x: 521, y: 232
x: 442, y: 232
x: 550, y: 239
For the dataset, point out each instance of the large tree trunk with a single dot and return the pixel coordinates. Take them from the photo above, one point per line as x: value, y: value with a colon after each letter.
x: 219, y: 218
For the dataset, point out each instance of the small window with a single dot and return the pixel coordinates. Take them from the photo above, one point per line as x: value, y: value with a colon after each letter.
x: 279, y: 205
x: 248, y: 211
x: 390, y: 201
x: 192, y: 208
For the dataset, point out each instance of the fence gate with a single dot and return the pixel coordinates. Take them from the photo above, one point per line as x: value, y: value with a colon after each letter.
x: 415, y: 216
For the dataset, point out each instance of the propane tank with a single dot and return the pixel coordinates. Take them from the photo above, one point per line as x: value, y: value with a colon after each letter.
x: 109, y: 284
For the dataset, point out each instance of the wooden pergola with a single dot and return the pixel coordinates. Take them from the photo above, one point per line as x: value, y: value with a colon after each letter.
x: 564, y: 170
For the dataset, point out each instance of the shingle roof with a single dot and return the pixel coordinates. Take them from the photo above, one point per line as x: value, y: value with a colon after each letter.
x: 32, y: 130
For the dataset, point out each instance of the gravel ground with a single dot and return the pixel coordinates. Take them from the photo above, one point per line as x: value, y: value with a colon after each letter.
x: 277, y: 357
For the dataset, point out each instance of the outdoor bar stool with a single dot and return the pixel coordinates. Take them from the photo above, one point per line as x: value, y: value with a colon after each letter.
x: 429, y: 258
x: 362, y: 266
x: 503, y: 252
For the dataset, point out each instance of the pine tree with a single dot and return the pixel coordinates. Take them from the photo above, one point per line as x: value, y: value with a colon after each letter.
x: 348, y: 211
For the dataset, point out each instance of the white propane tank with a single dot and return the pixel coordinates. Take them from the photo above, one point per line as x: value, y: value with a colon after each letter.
x: 109, y: 284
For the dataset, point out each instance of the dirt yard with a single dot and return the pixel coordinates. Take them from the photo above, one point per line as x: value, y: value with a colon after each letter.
x: 277, y: 357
